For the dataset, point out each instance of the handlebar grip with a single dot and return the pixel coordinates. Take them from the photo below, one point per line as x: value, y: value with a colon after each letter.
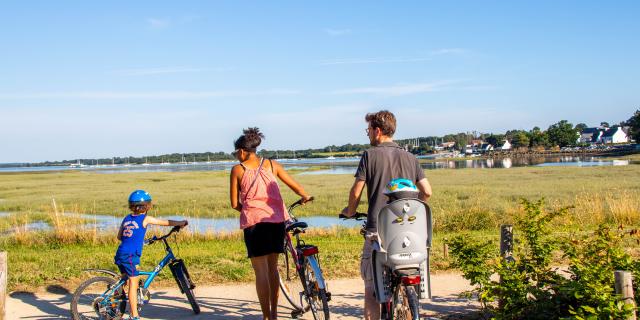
x: 299, y: 202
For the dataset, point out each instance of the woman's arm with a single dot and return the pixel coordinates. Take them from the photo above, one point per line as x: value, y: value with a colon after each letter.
x: 425, y: 189
x: 286, y: 178
x: 234, y: 187
x: 161, y: 222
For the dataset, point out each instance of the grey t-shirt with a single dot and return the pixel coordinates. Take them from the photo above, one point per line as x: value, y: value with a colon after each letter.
x: 378, y: 166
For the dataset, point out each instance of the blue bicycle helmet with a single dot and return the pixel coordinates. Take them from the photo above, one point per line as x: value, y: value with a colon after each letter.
x: 139, y: 197
x: 401, y: 188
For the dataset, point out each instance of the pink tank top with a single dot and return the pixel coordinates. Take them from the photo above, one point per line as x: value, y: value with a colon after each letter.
x: 263, y: 201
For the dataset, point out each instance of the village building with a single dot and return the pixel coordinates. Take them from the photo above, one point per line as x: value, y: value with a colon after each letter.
x: 506, y: 145
x: 591, y: 135
x: 615, y: 135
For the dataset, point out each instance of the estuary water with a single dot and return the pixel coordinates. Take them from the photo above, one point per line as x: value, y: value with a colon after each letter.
x: 338, y: 165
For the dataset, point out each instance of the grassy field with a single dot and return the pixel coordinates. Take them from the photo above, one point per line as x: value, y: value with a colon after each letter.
x: 211, y: 259
x: 463, y: 199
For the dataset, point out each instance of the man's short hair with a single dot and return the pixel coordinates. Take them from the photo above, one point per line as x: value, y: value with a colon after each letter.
x: 384, y: 120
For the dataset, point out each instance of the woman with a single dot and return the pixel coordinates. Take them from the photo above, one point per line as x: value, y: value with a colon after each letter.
x: 255, y: 193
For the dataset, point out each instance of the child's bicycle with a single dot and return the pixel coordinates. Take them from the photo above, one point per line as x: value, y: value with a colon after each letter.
x: 104, y: 297
x: 301, y: 279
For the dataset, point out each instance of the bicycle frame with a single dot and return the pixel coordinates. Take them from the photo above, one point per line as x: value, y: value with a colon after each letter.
x: 313, y: 262
x: 151, y: 275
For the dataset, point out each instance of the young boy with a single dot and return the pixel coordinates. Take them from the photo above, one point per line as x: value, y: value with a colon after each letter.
x: 131, y: 235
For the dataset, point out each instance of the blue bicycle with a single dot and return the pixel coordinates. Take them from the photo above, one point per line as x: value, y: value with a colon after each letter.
x: 105, y: 298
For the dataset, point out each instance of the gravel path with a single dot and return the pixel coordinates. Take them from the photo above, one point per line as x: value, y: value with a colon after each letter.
x: 240, y: 302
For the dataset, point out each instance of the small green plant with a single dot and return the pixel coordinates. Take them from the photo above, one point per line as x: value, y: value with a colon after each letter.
x: 529, y: 288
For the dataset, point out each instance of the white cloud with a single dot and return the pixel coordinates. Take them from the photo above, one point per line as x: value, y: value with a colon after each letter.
x: 337, y: 32
x: 156, y: 23
x: 154, y: 71
x: 447, y: 51
x: 399, y: 89
x: 371, y: 60
x: 145, y: 95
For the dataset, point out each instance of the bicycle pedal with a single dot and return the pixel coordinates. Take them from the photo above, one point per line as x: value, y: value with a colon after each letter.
x: 328, y: 296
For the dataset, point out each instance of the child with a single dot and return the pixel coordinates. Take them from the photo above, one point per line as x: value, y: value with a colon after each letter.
x: 131, y: 234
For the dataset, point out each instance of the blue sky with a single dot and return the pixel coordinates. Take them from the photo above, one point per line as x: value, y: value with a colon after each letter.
x: 103, y: 79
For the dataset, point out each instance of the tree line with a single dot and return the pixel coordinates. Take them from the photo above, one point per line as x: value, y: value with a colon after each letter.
x: 561, y: 134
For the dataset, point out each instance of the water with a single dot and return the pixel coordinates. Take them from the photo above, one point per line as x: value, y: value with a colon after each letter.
x: 343, y: 165
x: 198, y: 225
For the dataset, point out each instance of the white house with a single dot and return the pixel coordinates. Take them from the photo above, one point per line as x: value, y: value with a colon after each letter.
x: 485, y: 147
x: 506, y: 145
x: 591, y: 135
x: 615, y: 135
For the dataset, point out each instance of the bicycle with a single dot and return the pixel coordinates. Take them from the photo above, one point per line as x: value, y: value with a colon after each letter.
x: 303, y: 286
x: 397, y: 290
x: 104, y: 297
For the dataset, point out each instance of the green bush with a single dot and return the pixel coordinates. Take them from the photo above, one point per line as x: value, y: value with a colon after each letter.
x: 529, y: 288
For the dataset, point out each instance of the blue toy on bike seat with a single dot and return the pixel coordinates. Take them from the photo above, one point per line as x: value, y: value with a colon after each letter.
x: 401, y: 188
x: 139, y: 197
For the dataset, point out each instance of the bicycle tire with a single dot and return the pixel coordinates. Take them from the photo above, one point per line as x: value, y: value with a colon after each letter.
x: 75, y: 313
x: 181, y: 275
x: 316, y: 297
x: 414, y: 302
x: 400, y: 308
x: 290, y: 283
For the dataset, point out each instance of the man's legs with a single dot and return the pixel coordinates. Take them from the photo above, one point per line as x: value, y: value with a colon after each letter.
x: 371, y: 305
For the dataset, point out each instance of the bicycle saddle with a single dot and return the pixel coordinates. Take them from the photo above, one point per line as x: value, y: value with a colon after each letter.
x: 296, y: 225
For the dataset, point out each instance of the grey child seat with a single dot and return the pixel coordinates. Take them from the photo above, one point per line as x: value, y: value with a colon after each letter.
x: 405, y: 232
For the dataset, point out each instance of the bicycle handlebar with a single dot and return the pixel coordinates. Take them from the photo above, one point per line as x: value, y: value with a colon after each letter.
x: 357, y: 216
x: 154, y: 239
x: 299, y: 203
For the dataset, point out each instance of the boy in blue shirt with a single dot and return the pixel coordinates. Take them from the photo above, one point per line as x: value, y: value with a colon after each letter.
x: 131, y: 236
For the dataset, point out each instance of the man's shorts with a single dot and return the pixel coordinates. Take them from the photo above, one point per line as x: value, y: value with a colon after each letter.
x: 128, y: 264
x: 366, y: 267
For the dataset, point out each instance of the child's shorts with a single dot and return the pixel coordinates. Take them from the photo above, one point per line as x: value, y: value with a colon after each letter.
x: 128, y: 264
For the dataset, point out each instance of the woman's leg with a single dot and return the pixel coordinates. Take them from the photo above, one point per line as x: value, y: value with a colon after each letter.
x: 274, y: 283
x: 261, y: 270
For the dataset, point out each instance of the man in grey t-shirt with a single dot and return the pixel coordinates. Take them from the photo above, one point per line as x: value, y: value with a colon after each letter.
x: 381, y: 163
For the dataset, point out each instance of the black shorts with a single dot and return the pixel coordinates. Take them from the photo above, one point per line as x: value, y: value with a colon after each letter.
x: 264, y: 238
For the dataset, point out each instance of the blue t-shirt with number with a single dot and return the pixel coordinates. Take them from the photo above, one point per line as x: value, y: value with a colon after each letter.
x: 132, y: 240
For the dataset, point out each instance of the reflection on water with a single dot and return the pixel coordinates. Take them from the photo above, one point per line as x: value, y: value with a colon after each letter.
x: 504, y: 163
x: 343, y: 165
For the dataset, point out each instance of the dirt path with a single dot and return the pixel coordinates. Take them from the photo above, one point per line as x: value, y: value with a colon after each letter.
x: 240, y: 302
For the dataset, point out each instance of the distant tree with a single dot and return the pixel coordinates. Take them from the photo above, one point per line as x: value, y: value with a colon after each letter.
x: 520, y: 140
x: 495, y: 139
x: 538, y: 138
x: 604, y: 124
x: 562, y: 134
x: 634, y: 123
x: 580, y: 127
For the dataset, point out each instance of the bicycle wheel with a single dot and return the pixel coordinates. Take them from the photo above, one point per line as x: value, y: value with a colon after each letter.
x: 405, y: 304
x: 290, y: 283
x: 180, y: 273
x: 317, y: 297
x: 88, y: 301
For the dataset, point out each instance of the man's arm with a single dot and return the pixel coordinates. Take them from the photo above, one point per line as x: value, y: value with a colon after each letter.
x: 354, y: 198
x: 425, y: 189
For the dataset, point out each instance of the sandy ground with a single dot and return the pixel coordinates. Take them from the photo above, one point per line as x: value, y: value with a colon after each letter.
x: 240, y: 302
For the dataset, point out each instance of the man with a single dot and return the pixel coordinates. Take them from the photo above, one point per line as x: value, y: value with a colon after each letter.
x: 381, y: 163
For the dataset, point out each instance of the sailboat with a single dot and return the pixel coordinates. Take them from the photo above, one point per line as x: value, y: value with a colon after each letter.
x: 146, y: 162
x: 183, y: 162
x: 77, y: 165
x: 330, y: 157
x: 208, y: 159
x: 164, y: 163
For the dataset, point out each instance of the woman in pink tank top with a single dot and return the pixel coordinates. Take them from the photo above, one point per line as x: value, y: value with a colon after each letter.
x: 254, y: 191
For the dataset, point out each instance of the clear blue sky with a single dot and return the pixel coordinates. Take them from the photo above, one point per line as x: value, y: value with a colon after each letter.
x: 102, y: 79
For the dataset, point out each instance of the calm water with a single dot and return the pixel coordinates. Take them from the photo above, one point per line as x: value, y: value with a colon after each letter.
x: 198, y: 225
x: 341, y: 165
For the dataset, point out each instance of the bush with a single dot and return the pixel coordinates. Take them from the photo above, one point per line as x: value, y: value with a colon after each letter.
x: 529, y: 288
